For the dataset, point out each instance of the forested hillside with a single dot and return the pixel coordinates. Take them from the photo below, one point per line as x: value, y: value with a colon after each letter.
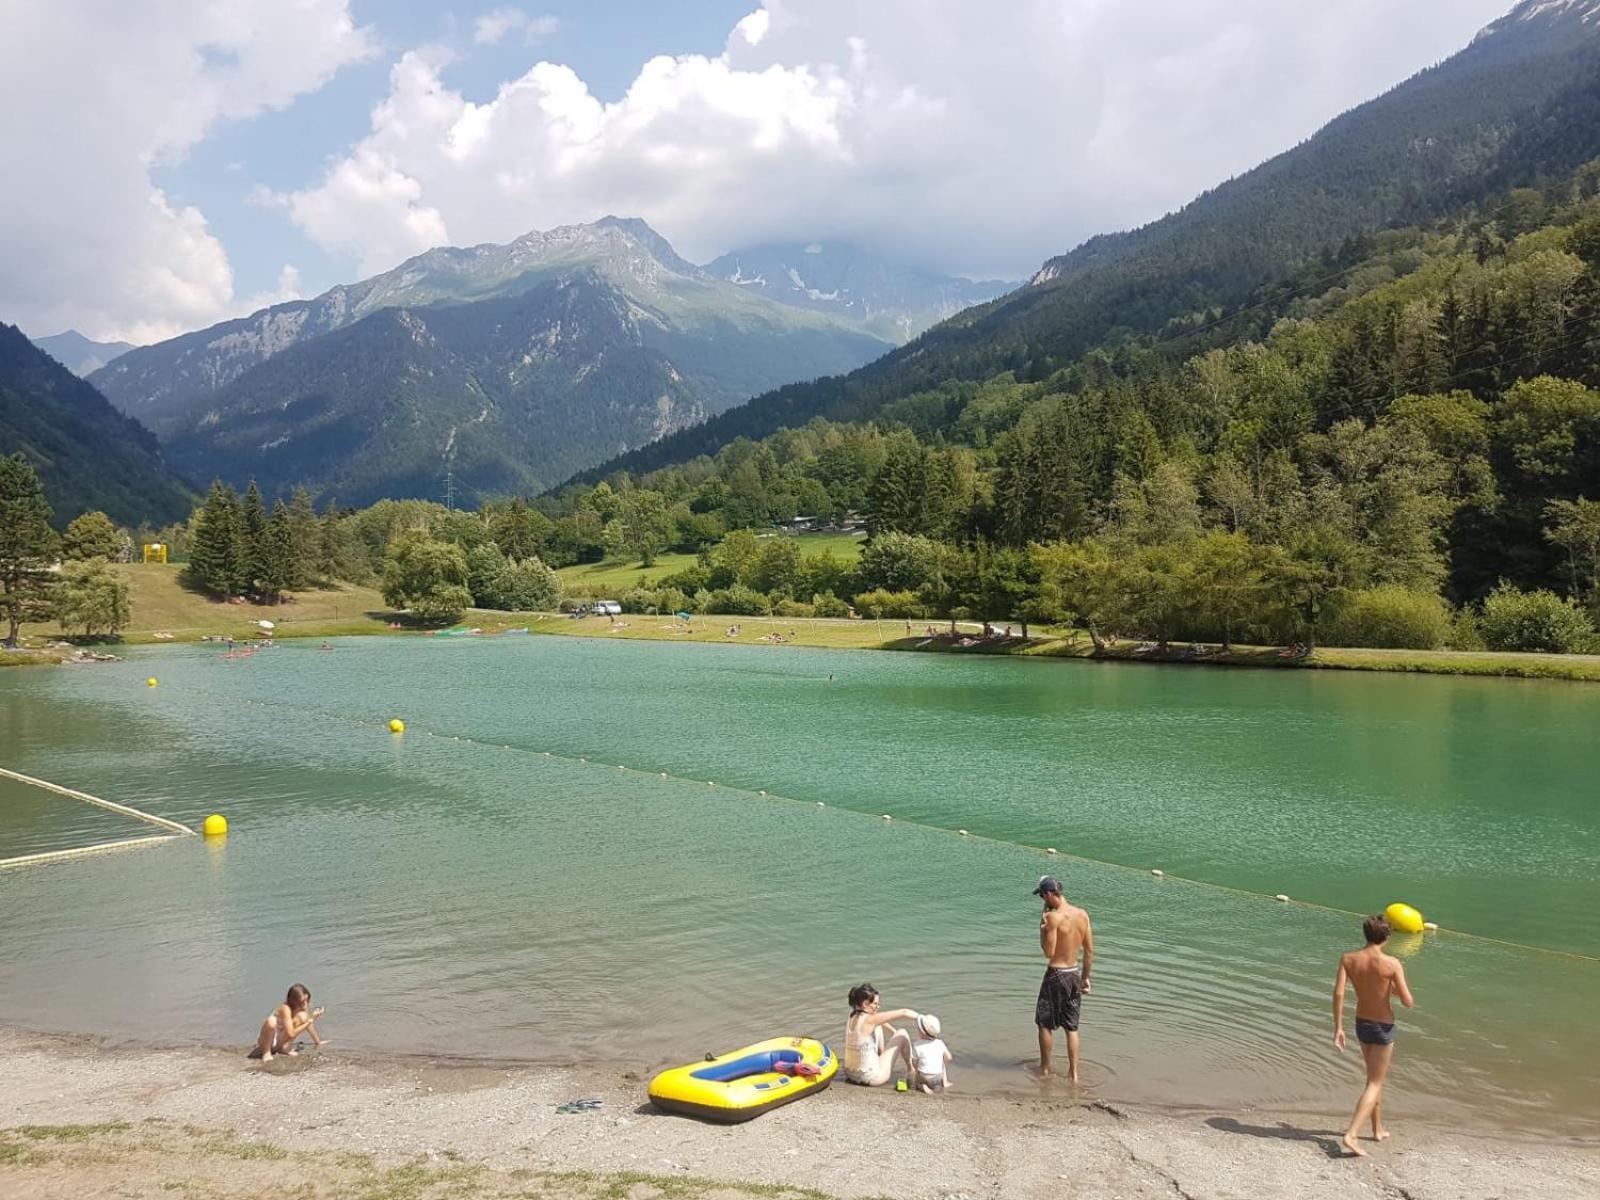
x: 1407, y: 422
x: 87, y: 455
x: 1519, y: 106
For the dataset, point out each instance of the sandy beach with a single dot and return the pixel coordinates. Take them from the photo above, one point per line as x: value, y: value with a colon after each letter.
x: 81, y: 1119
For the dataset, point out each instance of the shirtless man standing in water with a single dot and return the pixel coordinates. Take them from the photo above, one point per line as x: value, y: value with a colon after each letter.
x: 1376, y: 977
x: 1063, y: 933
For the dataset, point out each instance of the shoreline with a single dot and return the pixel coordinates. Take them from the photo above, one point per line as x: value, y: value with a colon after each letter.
x: 77, y: 1113
x: 841, y: 634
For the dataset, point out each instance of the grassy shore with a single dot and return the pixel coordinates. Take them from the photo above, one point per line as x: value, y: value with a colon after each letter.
x: 164, y: 611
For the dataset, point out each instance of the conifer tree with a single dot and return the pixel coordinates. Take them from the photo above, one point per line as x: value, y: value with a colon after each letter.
x: 252, y: 535
x: 305, y: 540
x: 276, y: 556
x: 27, y: 546
x: 214, y: 561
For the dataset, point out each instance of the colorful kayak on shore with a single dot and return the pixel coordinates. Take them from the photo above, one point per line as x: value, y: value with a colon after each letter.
x: 747, y: 1082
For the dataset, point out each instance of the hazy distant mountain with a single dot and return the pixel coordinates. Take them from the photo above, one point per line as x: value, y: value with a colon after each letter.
x: 750, y: 343
x: 1519, y: 104
x: 88, y: 455
x: 77, y: 353
x: 895, y: 302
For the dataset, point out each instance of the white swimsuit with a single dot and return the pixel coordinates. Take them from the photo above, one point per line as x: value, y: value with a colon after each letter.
x: 863, y: 1054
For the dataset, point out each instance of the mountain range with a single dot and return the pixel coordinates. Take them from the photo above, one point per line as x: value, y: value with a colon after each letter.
x: 87, y: 454
x: 1521, y: 102
x: 470, y: 360
x: 894, y: 301
x: 79, y: 354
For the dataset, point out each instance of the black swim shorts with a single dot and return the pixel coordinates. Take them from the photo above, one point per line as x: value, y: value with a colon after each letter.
x: 1060, y: 997
x: 1374, y: 1033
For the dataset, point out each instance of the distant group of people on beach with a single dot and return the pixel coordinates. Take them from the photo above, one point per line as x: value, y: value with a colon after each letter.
x: 874, y: 1047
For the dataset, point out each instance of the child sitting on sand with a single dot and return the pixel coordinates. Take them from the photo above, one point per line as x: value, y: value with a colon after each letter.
x: 930, y: 1056
x: 287, y: 1022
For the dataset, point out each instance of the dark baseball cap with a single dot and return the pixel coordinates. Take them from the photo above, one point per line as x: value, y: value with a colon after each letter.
x: 1048, y: 883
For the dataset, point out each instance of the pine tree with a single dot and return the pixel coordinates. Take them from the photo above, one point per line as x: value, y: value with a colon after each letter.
x: 27, y: 546
x: 276, y: 566
x: 214, y: 560
x: 252, y: 536
x: 305, y: 538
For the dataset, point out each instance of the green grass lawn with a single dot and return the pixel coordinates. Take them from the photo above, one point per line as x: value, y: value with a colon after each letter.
x: 606, y: 580
x: 158, y: 603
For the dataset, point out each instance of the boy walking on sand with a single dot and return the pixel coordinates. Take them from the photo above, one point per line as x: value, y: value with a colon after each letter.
x: 1063, y: 932
x: 1376, y: 976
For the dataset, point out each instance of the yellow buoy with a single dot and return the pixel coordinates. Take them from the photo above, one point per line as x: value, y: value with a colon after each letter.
x: 1403, y: 918
x: 151, y: 682
x: 396, y: 725
x: 216, y: 825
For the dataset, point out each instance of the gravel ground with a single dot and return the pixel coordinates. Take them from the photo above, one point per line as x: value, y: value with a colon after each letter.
x: 78, y: 1119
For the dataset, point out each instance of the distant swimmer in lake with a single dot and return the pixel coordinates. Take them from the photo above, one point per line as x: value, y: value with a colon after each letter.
x: 288, y: 1021
x: 1376, y: 976
x: 1064, y: 933
x: 325, y: 646
x: 869, y: 1056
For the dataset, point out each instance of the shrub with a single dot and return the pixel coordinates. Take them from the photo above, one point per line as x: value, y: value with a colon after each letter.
x: 658, y: 600
x: 1465, y: 634
x: 1391, y: 617
x: 826, y: 604
x: 526, y: 586
x: 638, y: 600
x: 793, y: 608
x: 736, y: 601
x: 881, y: 603
x: 1539, y: 621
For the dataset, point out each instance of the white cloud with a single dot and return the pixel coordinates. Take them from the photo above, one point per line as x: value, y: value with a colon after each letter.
x: 98, y: 94
x: 979, y: 138
x: 288, y: 288
x: 493, y: 26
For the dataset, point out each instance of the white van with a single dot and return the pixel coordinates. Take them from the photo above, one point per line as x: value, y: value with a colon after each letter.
x: 607, y: 608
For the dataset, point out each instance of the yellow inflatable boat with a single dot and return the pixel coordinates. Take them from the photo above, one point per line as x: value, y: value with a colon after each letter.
x: 747, y: 1082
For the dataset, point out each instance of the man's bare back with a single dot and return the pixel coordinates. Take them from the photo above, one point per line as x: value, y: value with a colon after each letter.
x: 1062, y: 932
x: 1376, y: 977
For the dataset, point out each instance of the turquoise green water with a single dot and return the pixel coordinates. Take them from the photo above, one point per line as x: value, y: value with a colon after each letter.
x: 456, y: 891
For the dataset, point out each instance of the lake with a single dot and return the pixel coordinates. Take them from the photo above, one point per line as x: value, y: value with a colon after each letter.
x: 474, y: 888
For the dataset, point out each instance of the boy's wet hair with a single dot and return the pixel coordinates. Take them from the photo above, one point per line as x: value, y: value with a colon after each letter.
x: 1377, y: 930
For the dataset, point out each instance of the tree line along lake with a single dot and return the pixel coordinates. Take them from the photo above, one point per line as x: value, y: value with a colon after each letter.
x: 569, y: 854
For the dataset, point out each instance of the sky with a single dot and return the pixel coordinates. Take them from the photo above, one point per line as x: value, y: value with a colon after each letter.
x: 171, y: 165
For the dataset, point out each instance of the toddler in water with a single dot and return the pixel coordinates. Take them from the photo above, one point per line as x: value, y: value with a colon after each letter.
x: 930, y: 1057
x: 287, y: 1022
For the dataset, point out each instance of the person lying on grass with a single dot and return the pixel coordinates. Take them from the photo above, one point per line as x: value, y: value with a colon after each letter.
x: 288, y: 1021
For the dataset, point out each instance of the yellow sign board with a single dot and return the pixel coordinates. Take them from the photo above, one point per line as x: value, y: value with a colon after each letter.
x: 155, y: 552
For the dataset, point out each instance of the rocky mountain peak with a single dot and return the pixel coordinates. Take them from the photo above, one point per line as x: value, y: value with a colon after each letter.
x: 1544, y: 15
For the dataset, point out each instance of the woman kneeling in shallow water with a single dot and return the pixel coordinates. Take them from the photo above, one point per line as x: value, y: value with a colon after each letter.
x: 287, y: 1022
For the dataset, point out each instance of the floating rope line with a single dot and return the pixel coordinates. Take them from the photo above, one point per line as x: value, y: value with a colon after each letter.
x: 112, y: 805
x: 54, y: 856
x: 1042, y: 851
